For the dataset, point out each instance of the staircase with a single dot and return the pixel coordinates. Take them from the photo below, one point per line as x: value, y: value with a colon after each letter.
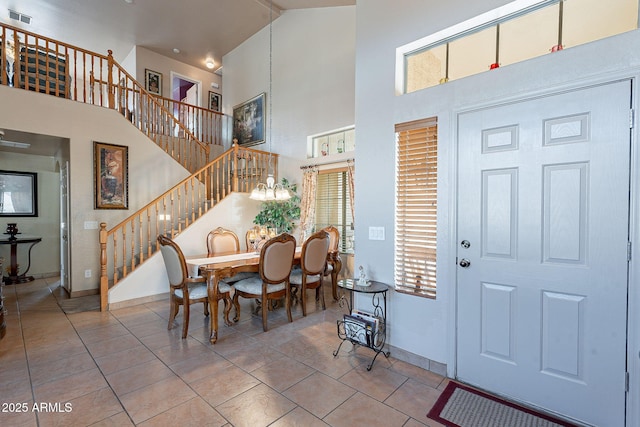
x: 31, y: 62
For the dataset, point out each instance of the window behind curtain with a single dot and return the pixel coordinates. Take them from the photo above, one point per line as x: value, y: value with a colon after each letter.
x: 333, y: 205
x: 416, y: 207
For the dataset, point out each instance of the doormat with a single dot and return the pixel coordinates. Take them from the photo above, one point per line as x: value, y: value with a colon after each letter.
x: 463, y: 406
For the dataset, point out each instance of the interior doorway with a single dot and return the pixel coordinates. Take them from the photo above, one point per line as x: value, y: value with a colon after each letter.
x: 187, y: 94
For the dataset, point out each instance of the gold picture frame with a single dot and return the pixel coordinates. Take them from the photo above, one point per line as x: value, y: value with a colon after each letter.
x: 111, y: 176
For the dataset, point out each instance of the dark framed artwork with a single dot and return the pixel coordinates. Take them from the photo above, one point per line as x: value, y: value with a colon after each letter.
x: 248, y: 121
x: 214, y: 101
x: 111, y: 176
x: 153, y: 82
x: 18, y: 193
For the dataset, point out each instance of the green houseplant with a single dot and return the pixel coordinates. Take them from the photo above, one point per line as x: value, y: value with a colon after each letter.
x: 280, y: 215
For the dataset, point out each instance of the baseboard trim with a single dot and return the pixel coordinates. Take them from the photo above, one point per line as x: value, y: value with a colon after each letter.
x: 86, y: 292
x: 138, y: 301
x: 422, y: 362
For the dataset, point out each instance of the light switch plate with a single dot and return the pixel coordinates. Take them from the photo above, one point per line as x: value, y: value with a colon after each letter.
x: 91, y: 225
x: 376, y: 233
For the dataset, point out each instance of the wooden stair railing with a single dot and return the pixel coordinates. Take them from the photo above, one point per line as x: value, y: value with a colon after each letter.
x: 127, y: 245
x: 33, y: 62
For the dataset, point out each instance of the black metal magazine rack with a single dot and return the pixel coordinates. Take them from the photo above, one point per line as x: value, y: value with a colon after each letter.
x: 360, y: 327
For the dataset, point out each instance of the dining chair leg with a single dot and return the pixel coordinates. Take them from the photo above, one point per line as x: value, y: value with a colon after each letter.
x: 173, y: 311
x: 303, y: 296
x: 236, y: 305
x: 334, y: 285
x: 287, y: 299
x: 214, y: 319
x: 227, y: 309
x: 206, y: 309
x: 321, y: 291
x: 265, y: 303
x: 185, y: 322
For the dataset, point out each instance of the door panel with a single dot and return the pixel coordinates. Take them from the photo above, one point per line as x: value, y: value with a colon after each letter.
x: 543, y: 199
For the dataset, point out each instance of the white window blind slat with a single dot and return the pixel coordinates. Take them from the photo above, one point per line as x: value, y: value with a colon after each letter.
x: 416, y: 208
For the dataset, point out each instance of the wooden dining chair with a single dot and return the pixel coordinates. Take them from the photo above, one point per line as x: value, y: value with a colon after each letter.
x: 313, y: 263
x: 185, y: 290
x: 276, y: 260
x: 334, y: 263
x: 221, y: 241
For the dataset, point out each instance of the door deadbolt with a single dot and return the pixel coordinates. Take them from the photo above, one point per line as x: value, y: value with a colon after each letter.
x: 465, y: 244
x: 465, y: 263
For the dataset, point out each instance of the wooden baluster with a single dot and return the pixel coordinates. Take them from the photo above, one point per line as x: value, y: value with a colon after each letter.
x: 141, y: 233
x: 133, y: 245
x: 149, y: 242
x: 115, y: 258
x: 124, y: 251
x: 112, y: 99
x: 104, y: 279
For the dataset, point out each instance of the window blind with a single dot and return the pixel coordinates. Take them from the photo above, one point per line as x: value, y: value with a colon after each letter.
x: 333, y: 206
x: 416, y: 207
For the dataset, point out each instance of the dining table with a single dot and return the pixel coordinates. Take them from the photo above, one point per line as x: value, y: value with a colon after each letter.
x: 222, y: 266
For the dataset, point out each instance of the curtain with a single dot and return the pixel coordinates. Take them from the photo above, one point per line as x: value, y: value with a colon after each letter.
x: 308, y: 202
x: 350, y: 177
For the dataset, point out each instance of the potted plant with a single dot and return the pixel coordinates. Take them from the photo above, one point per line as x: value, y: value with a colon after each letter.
x: 280, y: 215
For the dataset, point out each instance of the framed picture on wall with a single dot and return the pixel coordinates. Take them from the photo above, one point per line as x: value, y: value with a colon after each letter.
x: 248, y: 121
x: 214, y: 101
x: 18, y: 193
x: 153, y: 82
x: 111, y: 176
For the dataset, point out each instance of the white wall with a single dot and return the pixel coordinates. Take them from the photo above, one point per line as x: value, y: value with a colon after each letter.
x: 151, y: 171
x: 313, y: 78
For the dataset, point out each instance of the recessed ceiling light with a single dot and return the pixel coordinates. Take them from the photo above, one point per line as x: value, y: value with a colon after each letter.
x: 176, y: 50
x: 210, y: 64
x: 128, y: 1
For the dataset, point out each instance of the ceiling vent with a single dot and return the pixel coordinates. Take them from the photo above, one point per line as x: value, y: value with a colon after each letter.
x: 17, y: 16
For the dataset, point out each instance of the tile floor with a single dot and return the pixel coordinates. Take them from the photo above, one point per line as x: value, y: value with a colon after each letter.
x: 124, y: 367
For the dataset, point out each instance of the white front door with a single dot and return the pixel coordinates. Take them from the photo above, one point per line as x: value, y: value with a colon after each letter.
x: 543, y: 208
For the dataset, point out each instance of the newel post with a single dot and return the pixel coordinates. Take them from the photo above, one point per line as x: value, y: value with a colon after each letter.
x: 104, y: 280
x: 111, y: 90
x: 234, y: 167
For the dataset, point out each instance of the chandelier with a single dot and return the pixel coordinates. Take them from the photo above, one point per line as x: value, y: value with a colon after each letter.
x: 269, y: 190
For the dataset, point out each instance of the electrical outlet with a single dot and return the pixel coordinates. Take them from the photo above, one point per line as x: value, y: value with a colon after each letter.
x: 87, y: 274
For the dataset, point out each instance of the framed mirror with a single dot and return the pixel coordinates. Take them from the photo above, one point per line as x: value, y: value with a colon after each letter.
x: 18, y: 193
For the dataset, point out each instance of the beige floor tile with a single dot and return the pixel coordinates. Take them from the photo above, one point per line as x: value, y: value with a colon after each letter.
x: 299, y: 417
x: 224, y: 386
x: 17, y: 417
x: 91, y: 320
x: 196, y: 411
x: 427, y: 377
x: 120, y: 419
x: 139, y: 376
x: 50, y: 370
x: 362, y: 410
x: 414, y: 399
x: 378, y: 383
x: 195, y: 369
x: 253, y: 356
x: 181, y: 349
x: 124, y: 359
x: 84, y: 410
x: 147, y: 402
x: 103, y: 333
x: 70, y: 387
x: 283, y: 373
x: 257, y: 407
x: 319, y: 394
x: 113, y: 345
